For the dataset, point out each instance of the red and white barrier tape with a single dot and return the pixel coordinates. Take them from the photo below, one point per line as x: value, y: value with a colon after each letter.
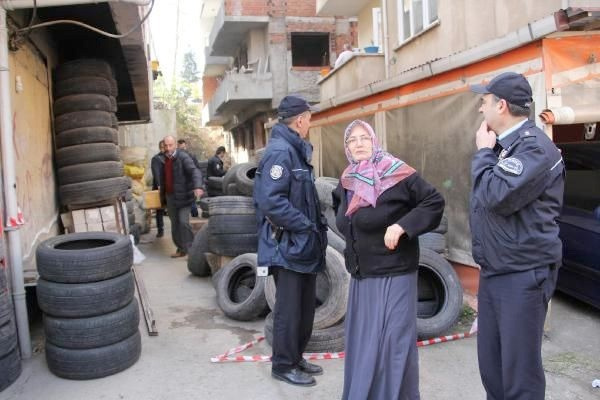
x: 229, y: 357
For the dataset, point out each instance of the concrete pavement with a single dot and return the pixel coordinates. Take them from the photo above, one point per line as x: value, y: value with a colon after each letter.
x: 175, y: 364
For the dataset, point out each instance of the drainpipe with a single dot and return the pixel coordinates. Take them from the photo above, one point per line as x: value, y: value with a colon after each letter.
x: 386, y: 39
x: 10, y: 193
x: 14, y: 255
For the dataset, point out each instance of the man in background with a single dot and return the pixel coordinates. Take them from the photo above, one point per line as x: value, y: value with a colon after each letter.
x: 215, y: 163
x: 182, y: 145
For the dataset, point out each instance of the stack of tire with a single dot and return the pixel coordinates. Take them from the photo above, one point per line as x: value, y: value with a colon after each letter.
x: 10, y: 360
x: 440, y: 293
x: 90, y: 171
x: 238, y: 181
x: 91, y: 317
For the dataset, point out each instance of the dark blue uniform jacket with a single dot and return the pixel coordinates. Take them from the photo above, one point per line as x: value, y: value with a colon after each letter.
x: 516, y: 199
x: 285, y: 196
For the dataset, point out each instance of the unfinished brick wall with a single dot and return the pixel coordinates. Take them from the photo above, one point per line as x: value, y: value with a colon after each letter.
x: 209, y: 87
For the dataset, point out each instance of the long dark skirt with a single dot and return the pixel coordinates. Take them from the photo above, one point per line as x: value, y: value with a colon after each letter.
x: 381, y: 339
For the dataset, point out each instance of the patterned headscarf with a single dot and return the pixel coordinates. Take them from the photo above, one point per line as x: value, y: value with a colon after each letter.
x: 368, y: 179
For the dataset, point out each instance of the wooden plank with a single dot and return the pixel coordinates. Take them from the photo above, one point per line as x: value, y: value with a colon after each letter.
x: 144, y: 301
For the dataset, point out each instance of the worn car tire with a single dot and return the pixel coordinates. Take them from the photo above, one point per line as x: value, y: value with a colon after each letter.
x: 433, y: 241
x: 83, y: 67
x: 86, y: 153
x: 333, y: 308
x: 89, y: 172
x: 82, y: 119
x: 232, y: 190
x: 6, y: 308
x: 229, y: 176
x: 82, y: 85
x: 10, y: 368
x: 91, y: 192
x: 8, y: 338
x: 324, y: 189
x: 196, y: 262
x: 232, y: 245
x: 82, y: 102
x: 244, y: 178
x: 84, y: 257
x: 80, y: 300
x: 231, y: 205
x: 94, y: 363
x: 240, y: 305
x: 336, y: 241
x: 232, y: 224
x: 440, y: 295
x: 328, y: 340
x: 87, y: 333
x: 90, y: 134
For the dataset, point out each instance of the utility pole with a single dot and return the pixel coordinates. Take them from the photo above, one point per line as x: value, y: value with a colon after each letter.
x: 176, y: 46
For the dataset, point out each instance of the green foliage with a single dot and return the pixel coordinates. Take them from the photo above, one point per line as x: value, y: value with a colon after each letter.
x: 190, y: 71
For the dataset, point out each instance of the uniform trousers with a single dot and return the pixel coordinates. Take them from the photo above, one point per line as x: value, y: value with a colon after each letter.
x: 293, y: 317
x: 511, y: 313
x: 181, y: 230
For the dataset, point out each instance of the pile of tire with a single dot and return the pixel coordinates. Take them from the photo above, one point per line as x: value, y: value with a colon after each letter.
x: 238, y: 181
x: 90, y: 171
x: 440, y: 293
x: 10, y: 360
x: 86, y: 291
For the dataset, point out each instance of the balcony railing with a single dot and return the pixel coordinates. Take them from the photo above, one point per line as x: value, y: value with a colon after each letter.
x: 360, y: 71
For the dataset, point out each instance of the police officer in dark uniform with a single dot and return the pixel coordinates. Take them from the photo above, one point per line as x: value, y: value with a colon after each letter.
x: 518, y: 181
x: 292, y: 238
x: 215, y: 163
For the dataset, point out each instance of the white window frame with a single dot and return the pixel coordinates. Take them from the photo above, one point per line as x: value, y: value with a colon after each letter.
x: 425, y: 22
x: 377, y: 33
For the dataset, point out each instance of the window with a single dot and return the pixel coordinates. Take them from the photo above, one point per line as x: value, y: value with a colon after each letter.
x: 377, y: 35
x: 310, y: 49
x: 415, y: 16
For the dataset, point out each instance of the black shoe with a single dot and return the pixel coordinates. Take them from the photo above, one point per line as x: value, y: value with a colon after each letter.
x: 159, y: 234
x: 311, y: 369
x: 295, y: 377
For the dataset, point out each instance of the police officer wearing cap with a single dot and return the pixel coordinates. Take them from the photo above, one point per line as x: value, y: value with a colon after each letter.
x: 518, y: 180
x: 292, y: 238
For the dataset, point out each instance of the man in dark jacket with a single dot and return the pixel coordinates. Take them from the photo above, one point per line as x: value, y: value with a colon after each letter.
x: 182, y: 145
x: 292, y: 238
x: 518, y: 181
x: 156, y: 166
x: 180, y: 184
x: 215, y: 163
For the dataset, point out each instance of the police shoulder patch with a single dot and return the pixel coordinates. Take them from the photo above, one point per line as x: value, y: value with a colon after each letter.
x: 512, y: 165
x: 276, y: 172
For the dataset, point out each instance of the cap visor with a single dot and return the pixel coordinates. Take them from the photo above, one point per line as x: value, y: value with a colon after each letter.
x: 481, y: 89
x: 314, y: 109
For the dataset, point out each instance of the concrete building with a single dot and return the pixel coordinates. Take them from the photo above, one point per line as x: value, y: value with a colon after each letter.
x: 259, y: 51
x: 29, y: 207
x: 415, y: 91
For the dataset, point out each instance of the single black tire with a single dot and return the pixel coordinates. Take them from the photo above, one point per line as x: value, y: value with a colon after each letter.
x: 214, y: 182
x: 443, y: 226
x: 324, y: 190
x: 333, y: 308
x: 433, y: 241
x: 328, y: 340
x: 229, y: 176
x: 84, y: 257
x: 8, y: 338
x: 98, y: 331
x: 92, y: 192
x: 90, y: 134
x: 86, y: 153
x: 6, y: 308
x: 232, y: 190
x: 197, y: 263
x: 231, y: 205
x: 336, y: 241
x: 82, y: 102
x: 81, y: 300
x: 83, y: 67
x: 80, y: 364
x: 244, y: 178
x: 240, y: 273
x: 440, y: 295
x: 89, y: 172
x: 10, y: 368
x: 82, y: 119
x: 82, y: 85
x: 232, y: 224
x: 232, y: 245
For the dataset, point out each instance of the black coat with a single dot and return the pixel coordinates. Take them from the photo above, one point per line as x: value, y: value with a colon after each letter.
x: 157, y: 164
x: 413, y: 204
x: 215, y: 167
x: 186, y: 178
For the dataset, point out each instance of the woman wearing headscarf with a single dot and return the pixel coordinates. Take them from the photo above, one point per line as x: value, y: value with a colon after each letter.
x: 383, y: 205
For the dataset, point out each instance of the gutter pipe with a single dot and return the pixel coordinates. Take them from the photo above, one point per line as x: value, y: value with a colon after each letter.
x: 14, y: 255
x: 527, y: 34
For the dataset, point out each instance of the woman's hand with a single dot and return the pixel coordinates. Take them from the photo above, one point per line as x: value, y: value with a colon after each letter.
x: 392, y: 236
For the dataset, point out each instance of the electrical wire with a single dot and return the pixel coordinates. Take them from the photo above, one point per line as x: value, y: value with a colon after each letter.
x: 83, y: 25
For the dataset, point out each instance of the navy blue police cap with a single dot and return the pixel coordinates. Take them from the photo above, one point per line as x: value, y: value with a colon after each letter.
x: 291, y: 106
x: 509, y: 86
